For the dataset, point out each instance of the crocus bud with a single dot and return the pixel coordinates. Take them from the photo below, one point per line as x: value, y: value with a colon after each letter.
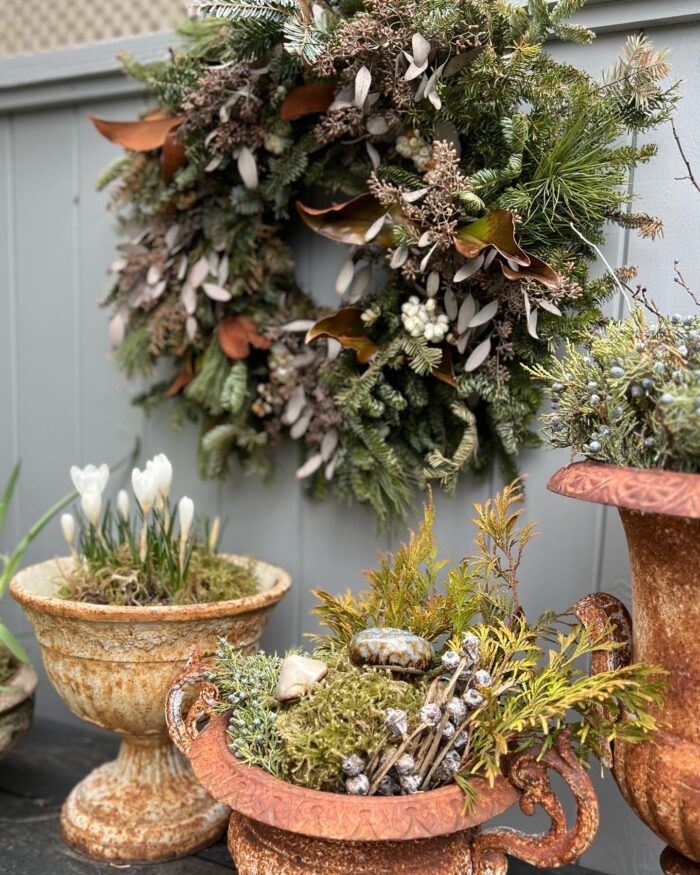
x: 186, y: 512
x: 123, y: 504
x: 144, y: 486
x: 91, y: 503
x: 163, y: 471
x: 68, y: 526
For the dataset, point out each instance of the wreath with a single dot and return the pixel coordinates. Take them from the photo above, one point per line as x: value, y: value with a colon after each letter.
x: 469, y: 174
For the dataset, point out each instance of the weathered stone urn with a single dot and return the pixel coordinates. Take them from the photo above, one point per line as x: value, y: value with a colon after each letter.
x: 113, y: 666
x: 16, y: 706
x: 660, y: 512
x: 278, y: 828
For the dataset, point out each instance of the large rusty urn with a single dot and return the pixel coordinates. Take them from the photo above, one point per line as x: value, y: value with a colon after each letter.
x: 660, y: 511
x: 278, y: 828
x: 112, y: 666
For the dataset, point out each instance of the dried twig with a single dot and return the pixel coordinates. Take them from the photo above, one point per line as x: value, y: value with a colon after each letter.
x: 688, y: 167
x: 679, y: 279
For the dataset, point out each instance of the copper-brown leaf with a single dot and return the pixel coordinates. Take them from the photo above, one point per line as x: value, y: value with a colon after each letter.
x: 348, y: 222
x: 496, y: 229
x: 537, y: 270
x: 184, y: 377
x: 173, y: 156
x: 237, y: 334
x: 305, y: 100
x: 142, y: 135
x: 444, y: 371
x: 346, y: 326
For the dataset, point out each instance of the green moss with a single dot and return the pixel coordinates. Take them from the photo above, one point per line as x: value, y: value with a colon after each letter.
x: 342, y: 714
x: 8, y: 664
x: 210, y: 578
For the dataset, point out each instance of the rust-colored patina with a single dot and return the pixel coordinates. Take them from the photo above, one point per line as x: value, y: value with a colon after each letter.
x: 278, y: 828
x: 660, y: 511
x: 16, y: 706
x: 112, y: 666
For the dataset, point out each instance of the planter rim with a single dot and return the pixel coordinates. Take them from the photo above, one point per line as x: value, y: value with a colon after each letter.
x: 21, y: 686
x: 650, y: 490
x: 262, y: 797
x: 281, y: 582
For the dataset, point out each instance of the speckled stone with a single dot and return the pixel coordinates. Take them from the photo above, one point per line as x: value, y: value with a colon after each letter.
x: 392, y: 647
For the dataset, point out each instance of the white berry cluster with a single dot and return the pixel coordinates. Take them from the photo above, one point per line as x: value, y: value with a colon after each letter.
x: 422, y: 320
x: 415, y: 148
x: 275, y: 144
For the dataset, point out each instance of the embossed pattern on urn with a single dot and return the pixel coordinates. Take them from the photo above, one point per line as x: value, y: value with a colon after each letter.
x: 384, y: 645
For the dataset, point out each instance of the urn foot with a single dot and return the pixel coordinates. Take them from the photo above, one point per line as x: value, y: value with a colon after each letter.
x: 143, y: 807
x: 259, y: 849
x: 674, y: 863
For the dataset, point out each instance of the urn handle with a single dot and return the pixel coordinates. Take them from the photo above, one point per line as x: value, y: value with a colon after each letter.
x: 527, y: 771
x: 196, y: 673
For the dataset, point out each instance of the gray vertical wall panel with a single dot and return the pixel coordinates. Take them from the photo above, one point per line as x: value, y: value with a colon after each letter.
x: 67, y: 402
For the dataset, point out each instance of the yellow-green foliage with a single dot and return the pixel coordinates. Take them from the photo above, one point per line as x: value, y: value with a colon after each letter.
x: 210, y: 578
x: 342, y: 714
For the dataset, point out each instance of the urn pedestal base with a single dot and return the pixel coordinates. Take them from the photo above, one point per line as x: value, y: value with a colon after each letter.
x: 143, y: 807
x: 259, y: 849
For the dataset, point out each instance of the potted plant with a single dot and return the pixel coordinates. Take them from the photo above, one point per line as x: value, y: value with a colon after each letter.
x: 114, y: 621
x: 18, y: 679
x: 630, y: 403
x: 422, y: 715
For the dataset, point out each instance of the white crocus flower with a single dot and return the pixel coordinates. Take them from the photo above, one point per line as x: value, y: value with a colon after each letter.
x: 123, y: 505
x: 145, y: 488
x: 68, y: 527
x: 186, y: 513
x: 164, y: 474
x: 91, y: 503
x: 90, y: 478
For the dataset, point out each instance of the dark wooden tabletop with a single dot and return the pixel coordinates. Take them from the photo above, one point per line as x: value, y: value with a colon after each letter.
x: 38, y: 774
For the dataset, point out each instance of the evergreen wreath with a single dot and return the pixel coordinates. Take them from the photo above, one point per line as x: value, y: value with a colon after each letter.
x: 470, y: 175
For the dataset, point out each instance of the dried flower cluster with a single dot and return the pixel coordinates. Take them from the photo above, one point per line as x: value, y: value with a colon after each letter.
x: 367, y: 729
x: 464, y: 163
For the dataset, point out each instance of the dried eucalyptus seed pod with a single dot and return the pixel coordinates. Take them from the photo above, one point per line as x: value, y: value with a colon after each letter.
x: 430, y: 714
x: 448, y: 767
x: 388, y: 786
x: 450, y: 660
x: 396, y: 721
x: 353, y: 765
x: 405, y: 765
x: 483, y: 678
x: 460, y: 741
x: 448, y: 730
x: 472, y: 698
x: 456, y: 709
x: 470, y: 646
x: 410, y: 784
x: 357, y: 786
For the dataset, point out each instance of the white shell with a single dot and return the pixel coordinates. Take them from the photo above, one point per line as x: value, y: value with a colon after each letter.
x: 297, y: 674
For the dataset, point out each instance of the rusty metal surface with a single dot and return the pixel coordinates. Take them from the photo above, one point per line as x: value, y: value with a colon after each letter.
x: 671, y: 493
x: 112, y: 667
x: 16, y: 706
x: 659, y: 779
x: 673, y: 863
x: 529, y: 773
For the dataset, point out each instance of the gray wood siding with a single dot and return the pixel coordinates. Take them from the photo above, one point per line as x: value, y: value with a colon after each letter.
x: 63, y: 402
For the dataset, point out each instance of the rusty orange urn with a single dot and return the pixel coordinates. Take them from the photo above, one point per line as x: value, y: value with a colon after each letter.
x: 278, y: 828
x: 660, y: 512
x: 112, y: 666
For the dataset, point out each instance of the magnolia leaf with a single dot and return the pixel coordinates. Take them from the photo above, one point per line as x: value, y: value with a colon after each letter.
x: 550, y: 307
x: 347, y: 328
x: 248, y: 168
x: 237, y: 334
x: 173, y: 157
x: 310, y: 466
x: 420, y: 48
x: 469, y: 269
x: 348, y: 222
x: 216, y: 293
x: 496, y: 229
x: 345, y: 275
x: 363, y: 80
x: 536, y: 270
x: 466, y: 313
x: 305, y: 100
x: 142, y: 135
x: 484, y: 315
x: 444, y: 371
x: 478, y: 355
x: 184, y: 377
